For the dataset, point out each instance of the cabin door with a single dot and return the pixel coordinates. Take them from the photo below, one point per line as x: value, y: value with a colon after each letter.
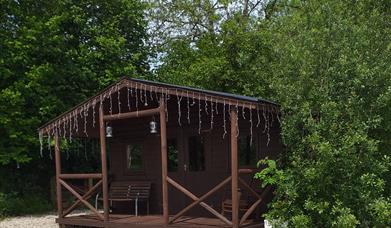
x: 195, y: 166
x: 175, y: 161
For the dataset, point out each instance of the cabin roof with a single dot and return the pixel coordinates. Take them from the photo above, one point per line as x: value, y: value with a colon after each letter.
x: 209, y: 92
x: 160, y: 88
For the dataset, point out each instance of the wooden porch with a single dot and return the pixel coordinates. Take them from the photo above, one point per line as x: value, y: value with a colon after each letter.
x: 119, y: 221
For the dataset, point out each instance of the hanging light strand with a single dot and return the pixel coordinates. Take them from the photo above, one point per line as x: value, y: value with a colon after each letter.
x: 251, y: 125
x: 166, y: 104
x: 136, y: 91
x: 119, y: 99
x: 243, y: 112
x: 259, y: 119
x: 40, y: 136
x: 145, y: 96
x: 206, y: 105
x: 216, y: 107
x: 199, y: 113
x: 268, y: 131
x: 64, y: 128
x: 278, y: 116
x: 150, y: 93
x: 70, y: 128
x: 193, y: 100
x: 111, y: 102
x: 49, y: 147
x: 76, y: 122
x: 264, y: 118
x: 128, y: 96
x: 179, y: 99
x: 188, y: 108
x: 224, y: 120
x: 141, y: 93
x: 211, y: 113
x: 93, y: 113
x: 85, y: 120
x: 237, y: 119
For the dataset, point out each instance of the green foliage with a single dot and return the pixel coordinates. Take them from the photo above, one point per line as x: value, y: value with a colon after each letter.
x: 12, y: 204
x: 269, y: 172
x: 56, y: 53
x: 53, y: 54
x: 328, y: 64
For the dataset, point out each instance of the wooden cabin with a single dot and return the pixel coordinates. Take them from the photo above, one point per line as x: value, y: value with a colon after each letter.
x: 170, y: 156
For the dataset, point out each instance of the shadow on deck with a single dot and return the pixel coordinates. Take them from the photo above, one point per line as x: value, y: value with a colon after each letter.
x: 122, y: 221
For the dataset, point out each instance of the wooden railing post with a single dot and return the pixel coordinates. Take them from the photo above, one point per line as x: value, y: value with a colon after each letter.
x: 58, y: 173
x: 105, y: 188
x: 234, y: 168
x: 163, y: 146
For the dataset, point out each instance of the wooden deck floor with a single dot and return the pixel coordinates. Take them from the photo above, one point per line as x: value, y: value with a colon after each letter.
x: 122, y: 221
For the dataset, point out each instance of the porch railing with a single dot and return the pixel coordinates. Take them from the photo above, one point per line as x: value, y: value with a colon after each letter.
x: 81, y: 199
x: 200, y: 200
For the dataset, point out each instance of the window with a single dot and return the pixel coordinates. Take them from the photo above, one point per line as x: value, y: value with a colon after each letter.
x: 134, y: 157
x: 196, y: 153
x: 246, y: 151
x: 172, y: 155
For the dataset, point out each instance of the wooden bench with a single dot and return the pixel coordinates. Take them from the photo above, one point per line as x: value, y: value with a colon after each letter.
x: 122, y: 191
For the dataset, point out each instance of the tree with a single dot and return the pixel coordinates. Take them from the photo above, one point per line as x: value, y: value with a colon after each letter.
x: 212, y: 44
x: 327, y: 64
x: 333, y: 80
x: 53, y: 55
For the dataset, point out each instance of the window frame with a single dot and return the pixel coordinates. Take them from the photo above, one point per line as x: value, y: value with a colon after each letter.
x: 257, y: 152
x: 205, y: 151
x: 178, y: 154
x: 128, y: 171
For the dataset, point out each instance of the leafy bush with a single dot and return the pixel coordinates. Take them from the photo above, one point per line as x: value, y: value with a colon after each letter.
x: 12, y: 204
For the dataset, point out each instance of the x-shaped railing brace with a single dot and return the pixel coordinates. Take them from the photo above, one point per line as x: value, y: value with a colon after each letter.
x: 81, y: 199
x: 199, y: 200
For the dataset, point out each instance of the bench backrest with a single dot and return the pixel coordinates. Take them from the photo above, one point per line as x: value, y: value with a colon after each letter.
x: 130, y: 190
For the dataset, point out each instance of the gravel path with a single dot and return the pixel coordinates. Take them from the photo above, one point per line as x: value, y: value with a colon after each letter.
x: 31, y: 221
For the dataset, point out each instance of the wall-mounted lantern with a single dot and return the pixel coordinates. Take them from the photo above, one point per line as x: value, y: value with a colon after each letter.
x: 109, y: 131
x: 153, y: 126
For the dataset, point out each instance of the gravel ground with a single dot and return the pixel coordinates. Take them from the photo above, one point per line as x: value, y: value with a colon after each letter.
x: 31, y: 221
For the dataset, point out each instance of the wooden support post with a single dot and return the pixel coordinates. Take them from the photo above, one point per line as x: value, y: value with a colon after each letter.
x: 105, y: 188
x: 58, y: 173
x: 234, y: 168
x: 163, y: 147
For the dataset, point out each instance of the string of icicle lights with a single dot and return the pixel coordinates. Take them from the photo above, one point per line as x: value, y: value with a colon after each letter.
x: 142, y: 94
